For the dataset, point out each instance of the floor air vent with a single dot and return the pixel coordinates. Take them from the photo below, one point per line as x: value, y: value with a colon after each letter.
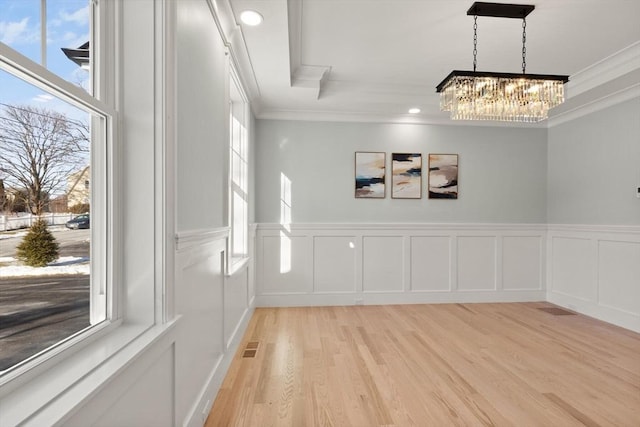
x: 251, y: 349
x: 557, y: 311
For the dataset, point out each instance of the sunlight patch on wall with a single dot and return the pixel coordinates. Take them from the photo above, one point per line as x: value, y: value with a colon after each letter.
x: 285, y: 222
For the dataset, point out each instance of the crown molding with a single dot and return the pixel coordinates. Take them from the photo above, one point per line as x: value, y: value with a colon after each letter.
x: 311, y: 77
x: 359, y: 117
x: 302, y: 75
x: 608, y: 69
x: 608, y: 82
x: 581, y: 110
x: 233, y: 39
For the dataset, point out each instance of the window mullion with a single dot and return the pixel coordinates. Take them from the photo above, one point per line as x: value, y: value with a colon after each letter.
x: 43, y: 33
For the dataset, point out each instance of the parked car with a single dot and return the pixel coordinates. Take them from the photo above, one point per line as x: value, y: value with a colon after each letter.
x: 81, y: 221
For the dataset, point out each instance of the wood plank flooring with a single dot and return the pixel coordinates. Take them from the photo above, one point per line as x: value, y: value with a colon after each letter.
x: 431, y: 365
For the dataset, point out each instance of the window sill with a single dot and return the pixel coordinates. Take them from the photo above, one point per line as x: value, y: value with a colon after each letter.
x: 236, y: 265
x: 48, y: 396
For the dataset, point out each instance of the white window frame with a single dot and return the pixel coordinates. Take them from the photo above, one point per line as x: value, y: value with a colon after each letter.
x: 237, y: 258
x: 103, y: 129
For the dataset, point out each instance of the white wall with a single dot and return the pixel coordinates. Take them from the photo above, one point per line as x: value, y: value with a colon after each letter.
x: 594, y: 215
x: 202, y: 120
x: 502, y: 176
x: 340, y: 250
x: 174, y: 380
x: 488, y: 245
x: 594, y: 168
x: 212, y: 307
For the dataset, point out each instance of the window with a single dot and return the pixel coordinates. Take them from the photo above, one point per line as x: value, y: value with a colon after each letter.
x: 65, y: 34
x: 53, y: 163
x: 239, y: 176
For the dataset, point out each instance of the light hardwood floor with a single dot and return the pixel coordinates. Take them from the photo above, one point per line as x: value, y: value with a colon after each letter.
x: 431, y: 365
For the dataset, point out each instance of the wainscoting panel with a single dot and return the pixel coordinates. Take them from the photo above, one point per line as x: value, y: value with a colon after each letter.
x: 334, y: 264
x: 619, y: 276
x: 477, y: 263
x: 159, y: 377
x: 595, y: 270
x: 285, y: 260
x: 571, y: 267
x: 346, y: 264
x: 200, y: 305
x: 383, y: 259
x: 235, y: 303
x: 430, y: 263
x: 149, y: 377
x: 522, y: 263
x: 213, y: 305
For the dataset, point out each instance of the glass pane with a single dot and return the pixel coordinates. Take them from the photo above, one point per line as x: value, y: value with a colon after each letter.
x: 68, y: 26
x: 239, y: 225
x: 236, y: 169
x: 244, y: 142
x: 243, y: 176
x: 45, y: 174
x: 20, y: 26
x: 235, y: 134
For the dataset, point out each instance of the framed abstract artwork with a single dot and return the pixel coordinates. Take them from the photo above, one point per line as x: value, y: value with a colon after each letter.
x: 406, y: 177
x: 370, y: 175
x: 443, y: 176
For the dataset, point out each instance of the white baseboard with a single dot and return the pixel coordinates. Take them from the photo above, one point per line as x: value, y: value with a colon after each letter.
x: 591, y: 309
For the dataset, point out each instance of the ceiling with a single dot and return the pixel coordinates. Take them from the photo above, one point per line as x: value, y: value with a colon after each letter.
x: 372, y: 60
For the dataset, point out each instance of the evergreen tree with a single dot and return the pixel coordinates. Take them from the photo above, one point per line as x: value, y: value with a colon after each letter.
x: 39, y: 247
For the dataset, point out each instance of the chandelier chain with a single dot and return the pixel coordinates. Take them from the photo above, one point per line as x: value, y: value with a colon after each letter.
x: 475, y: 42
x: 524, y: 47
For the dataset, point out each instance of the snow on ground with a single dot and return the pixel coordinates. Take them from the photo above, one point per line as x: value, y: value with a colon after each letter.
x: 11, y: 235
x: 66, y: 265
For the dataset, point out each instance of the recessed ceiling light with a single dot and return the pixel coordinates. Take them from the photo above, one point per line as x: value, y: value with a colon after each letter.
x: 414, y: 110
x: 251, y: 17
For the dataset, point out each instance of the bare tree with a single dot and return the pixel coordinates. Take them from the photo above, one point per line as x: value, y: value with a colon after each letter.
x: 40, y: 148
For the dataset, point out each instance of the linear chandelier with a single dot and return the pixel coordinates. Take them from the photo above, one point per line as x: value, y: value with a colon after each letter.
x: 511, y: 97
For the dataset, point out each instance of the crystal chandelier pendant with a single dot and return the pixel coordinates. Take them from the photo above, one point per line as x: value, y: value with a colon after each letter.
x: 511, y: 97
x: 469, y: 95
